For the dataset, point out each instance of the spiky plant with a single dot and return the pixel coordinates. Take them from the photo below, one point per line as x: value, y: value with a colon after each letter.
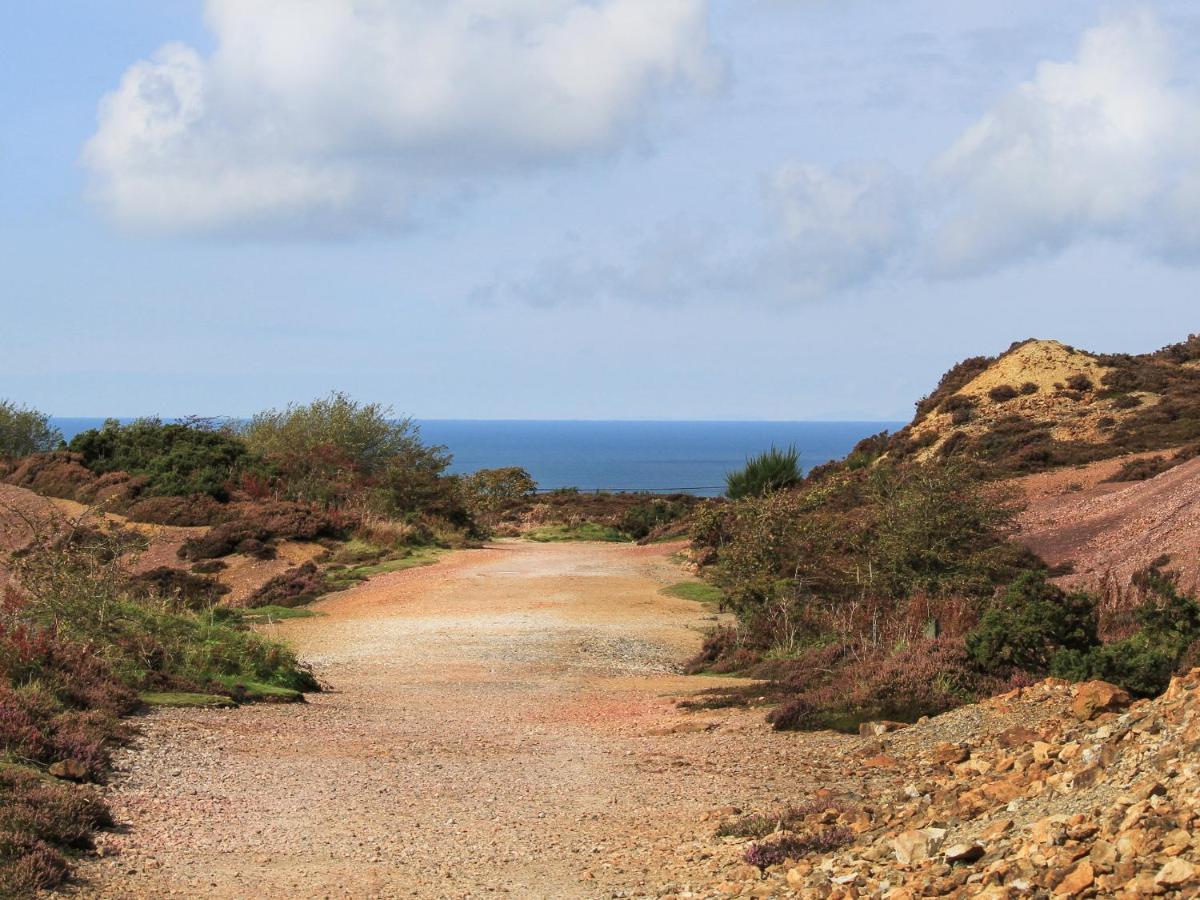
x: 765, y: 473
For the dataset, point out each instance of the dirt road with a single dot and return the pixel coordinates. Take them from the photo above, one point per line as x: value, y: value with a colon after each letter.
x: 501, y: 722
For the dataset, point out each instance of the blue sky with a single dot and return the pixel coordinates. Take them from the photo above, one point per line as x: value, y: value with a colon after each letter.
x: 783, y: 209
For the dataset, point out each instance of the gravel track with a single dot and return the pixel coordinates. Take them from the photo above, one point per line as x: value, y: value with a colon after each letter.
x: 502, y: 722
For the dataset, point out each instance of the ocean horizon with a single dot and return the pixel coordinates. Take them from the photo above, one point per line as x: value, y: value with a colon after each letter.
x: 620, y: 455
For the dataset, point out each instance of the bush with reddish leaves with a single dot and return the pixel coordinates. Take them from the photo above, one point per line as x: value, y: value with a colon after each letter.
x: 228, y: 538
x: 39, y: 819
x: 58, y: 474
x: 193, y: 510
x: 258, y: 525
x: 294, y: 587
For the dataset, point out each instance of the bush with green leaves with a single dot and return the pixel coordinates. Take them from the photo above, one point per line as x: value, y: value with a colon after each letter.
x: 1143, y: 663
x: 24, y: 431
x: 336, y: 451
x: 177, y: 459
x: 489, y: 491
x: 938, y: 530
x: 1030, y: 625
x: 763, y: 474
x: 1039, y: 629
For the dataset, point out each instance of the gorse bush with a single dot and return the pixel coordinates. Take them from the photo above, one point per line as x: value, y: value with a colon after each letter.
x: 644, y: 519
x: 1031, y: 623
x: 1039, y: 629
x: 24, y: 431
x: 1143, y: 663
x: 770, y: 471
x: 175, y: 459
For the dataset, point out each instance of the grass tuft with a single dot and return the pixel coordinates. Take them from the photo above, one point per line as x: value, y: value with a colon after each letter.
x: 587, y: 531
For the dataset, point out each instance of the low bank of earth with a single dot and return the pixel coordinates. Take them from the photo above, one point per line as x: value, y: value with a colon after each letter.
x: 501, y: 722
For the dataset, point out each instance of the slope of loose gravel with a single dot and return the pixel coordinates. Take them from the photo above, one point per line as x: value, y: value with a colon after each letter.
x: 502, y: 722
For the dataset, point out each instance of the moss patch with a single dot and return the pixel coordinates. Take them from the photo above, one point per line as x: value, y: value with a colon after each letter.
x: 182, y: 700
x: 256, y: 692
x: 696, y: 591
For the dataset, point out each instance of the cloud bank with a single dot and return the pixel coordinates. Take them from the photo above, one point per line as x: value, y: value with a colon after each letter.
x: 338, y: 115
x: 1103, y: 146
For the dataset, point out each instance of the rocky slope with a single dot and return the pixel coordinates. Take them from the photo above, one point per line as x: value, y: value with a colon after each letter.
x: 1053, y: 790
x: 22, y: 511
x: 1104, y: 533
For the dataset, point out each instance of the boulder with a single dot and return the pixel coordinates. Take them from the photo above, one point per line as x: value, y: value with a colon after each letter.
x: 1096, y: 697
x: 1176, y: 872
x: 916, y: 845
x: 70, y: 769
x: 1077, y: 881
x: 966, y: 852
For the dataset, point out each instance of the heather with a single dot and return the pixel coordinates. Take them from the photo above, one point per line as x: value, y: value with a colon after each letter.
x: 79, y: 641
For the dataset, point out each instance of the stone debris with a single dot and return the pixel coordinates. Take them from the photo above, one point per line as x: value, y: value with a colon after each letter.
x: 1096, y: 795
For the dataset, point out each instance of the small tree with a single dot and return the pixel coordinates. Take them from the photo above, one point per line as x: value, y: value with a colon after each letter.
x: 490, y: 490
x: 24, y: 431
x: 770, y: 471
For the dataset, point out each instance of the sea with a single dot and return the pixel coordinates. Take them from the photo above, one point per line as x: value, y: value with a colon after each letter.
x: 655, y: 457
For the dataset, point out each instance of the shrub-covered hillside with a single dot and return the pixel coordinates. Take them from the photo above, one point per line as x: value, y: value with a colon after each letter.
x: 1042, y: 404
x: 894, y: 584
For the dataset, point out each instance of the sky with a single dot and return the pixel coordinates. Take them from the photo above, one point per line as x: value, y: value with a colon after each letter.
x: 583, y: 209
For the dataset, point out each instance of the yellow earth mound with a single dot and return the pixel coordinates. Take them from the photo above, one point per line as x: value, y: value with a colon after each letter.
x: 1050, y: 365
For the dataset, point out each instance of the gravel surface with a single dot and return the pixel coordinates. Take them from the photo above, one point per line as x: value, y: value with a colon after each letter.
x: 503, y: 722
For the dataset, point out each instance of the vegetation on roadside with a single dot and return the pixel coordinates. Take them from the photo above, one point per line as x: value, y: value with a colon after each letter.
x: 697, y: 592
x: 585, y: 531
x: 81, y: 645
x: 889, y: 584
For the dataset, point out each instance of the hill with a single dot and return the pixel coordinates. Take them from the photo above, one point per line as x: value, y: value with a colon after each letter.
x: 1043, y: 404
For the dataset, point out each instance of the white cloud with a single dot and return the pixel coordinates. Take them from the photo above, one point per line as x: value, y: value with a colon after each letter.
x: 335, y: 114
x: 834, y: 228
x: 823, y: 231
x: 1106, y: 145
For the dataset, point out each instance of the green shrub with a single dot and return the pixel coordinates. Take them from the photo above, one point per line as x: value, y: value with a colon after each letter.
x: 490, y: 490
x: 770, y: 471
x: 177, y: 460
x: 1002, y: 393
x: 643, y: 519
x: 1032, y: 622
x: 24, y: 431
x: 1079, y: 382
x: 1028, y: 388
